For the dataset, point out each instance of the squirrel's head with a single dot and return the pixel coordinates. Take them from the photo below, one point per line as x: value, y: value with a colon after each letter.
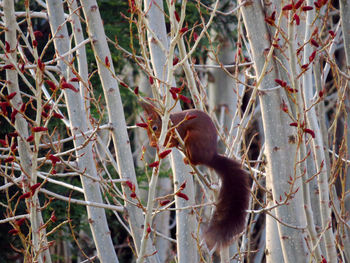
x: 154, y: 122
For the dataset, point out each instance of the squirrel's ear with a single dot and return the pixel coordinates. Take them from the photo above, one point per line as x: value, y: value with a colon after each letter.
x: 150, y: 110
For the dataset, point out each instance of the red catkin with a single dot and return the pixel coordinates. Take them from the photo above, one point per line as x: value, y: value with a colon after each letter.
x: 182, y: 195
x: 39, y: 129
x: 164, y: 202
x: 184, y: 99
x: 163, y: 154
x: 11, y: 95
x: 142, y: 125
x: 154, y: 164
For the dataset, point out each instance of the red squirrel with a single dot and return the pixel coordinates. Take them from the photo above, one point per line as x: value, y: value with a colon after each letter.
x: 199, y: 135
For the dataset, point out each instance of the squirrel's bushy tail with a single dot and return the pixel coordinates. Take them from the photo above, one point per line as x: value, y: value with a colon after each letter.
x: 229, y: 216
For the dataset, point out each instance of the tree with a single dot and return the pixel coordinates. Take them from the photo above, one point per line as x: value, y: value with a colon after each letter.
x: 68, y: 101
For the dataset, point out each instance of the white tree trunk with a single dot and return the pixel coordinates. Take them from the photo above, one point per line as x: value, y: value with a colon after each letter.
x: 280, y: 153
x: 28, y: 158
x: 78, y: 123
x: 116, y: 119
x: 185, y: 219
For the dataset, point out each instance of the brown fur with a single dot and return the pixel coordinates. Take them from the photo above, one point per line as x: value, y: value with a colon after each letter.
x: 200, y: 138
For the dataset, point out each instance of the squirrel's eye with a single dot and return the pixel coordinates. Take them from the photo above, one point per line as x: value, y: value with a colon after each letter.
x: 154, y: 127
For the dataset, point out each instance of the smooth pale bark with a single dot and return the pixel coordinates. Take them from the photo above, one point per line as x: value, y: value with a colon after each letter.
x: 116, y: 119
x: 78, y: 123
x: 80, y: 54
x: 39, y: 240
x: 279, y: 150
x: 222, y: 90
x: 273, y: 244
x: 319, y: 154
x: 223, y: 97
x: 186, y: 227
x: 161, y: 220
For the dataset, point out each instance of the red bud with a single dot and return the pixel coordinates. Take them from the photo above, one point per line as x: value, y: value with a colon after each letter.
x: 44, y: 114
x: 66, y: 85
x: 298, y: 4
x: 173, y: 94
x: 9, y: 159
x: 4, y: 143
x: 74, y: 80
x: 182, y: 195
x: 9, y: 67
x: 164, y: 202
x: 3, y: 106
x: 123, y: 84
x: 184, y: 99
x: 136, y: 90
x: 11, y: 95
x: 38, y: 34
x: 39, y: 129
x: 53, y: 218
x: 13, y: 134
x: 292, y: 90
x: 130, y: 185
x: 30, y: 138
x: 195, y: 36
x: 41, y: 65
x: 285, y: 109
x: 13, y: 232
x: 57, y: 115
x: 25, y: 195
x: 177, y: 16
x: 309, y: 131
x: 305, y: 66
x: 23, y: 107
x: 108, y: 64
x: 54, y: 159
x: 281, y: 82
x: 175, y: 61
x: 19, y: 222
x: 176, y: 90
x: 183, y: 30
x: 34, y: 187
x: 148, y: 229
x: 312, y: 56
x: 163, y: 154
x: 183, y: 186
x: 307, y: 8
x: 271, y: 19
x: 314, y: 42
x: 154, y: 164
x: 297, y: 19
x: 287, y: 7
x: 332, y: 33
x: 142, y: 125
x: 13, y: 115
x: 14, y: 147
x: 51, y: 85
x: 321, y: 93
x: 7, y: 47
